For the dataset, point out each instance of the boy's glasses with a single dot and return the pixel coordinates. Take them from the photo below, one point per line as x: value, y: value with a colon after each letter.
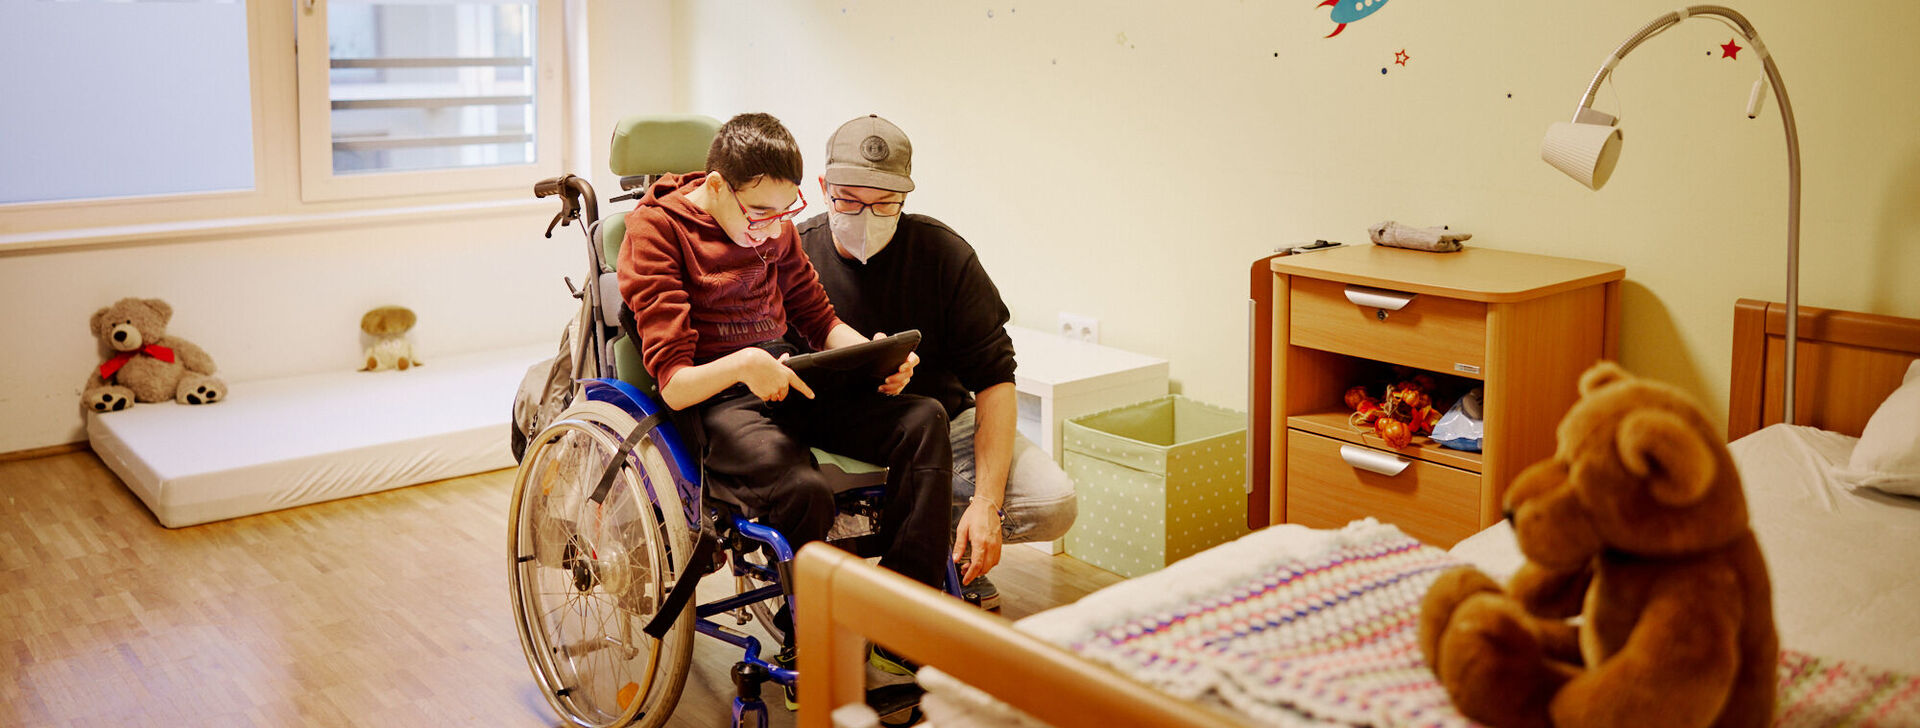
x: 799, y: 206
x: 846, y: 206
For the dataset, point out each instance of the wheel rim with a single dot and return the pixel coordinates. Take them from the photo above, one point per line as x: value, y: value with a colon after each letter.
x: 587, y: 576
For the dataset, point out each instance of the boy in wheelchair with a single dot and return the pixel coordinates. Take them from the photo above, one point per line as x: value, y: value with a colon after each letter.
x: 713, y: 272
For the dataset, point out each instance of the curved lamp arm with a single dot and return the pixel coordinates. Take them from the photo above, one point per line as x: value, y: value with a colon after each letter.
x: 1660, y: 24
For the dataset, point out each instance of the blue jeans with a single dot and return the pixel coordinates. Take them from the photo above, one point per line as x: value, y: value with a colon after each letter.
x: 1040, y: 502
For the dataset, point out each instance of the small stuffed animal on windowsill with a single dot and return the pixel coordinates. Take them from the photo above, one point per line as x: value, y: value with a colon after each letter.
x: 391, y: 348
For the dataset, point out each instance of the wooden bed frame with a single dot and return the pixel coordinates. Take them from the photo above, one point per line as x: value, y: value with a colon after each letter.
x: 858, y: 601
x: 1848, y: 363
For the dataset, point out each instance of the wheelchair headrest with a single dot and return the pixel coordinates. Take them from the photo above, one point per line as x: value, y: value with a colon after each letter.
x: 651, y: 144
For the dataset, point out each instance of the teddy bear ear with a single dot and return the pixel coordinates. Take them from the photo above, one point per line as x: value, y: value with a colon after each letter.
x: 160, y: 307
x: 1670, y: 455
x: 98, y: 323
x: 1600, y: 375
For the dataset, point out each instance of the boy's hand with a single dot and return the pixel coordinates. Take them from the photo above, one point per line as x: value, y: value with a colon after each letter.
x: 898, y: 380
x: 769, y: 378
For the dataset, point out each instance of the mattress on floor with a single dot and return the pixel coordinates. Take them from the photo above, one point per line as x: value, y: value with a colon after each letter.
x: 288, y: 442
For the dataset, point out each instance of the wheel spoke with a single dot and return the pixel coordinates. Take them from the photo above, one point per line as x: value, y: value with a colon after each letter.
x: 585, y: 644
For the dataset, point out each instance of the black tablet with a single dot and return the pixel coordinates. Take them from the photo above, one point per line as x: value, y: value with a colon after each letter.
x: 864, y: 365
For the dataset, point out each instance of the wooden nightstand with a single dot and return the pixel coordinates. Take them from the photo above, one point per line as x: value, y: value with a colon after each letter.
x: 1525, y: 325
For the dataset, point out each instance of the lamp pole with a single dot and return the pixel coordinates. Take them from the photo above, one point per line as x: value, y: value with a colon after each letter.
x: 1793, y: 155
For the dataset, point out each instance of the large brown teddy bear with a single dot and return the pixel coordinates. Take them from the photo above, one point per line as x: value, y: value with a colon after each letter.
x: 1637, y: 525
x: 147, y: 365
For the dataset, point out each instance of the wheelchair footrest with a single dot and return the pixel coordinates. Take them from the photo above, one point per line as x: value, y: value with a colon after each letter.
x: 889, y: 699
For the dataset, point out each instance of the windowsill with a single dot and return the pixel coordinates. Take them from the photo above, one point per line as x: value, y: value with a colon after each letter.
x: 231, y: 226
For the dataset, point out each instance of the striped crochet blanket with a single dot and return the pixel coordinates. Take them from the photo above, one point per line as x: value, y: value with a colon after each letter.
x: 1328, y: 636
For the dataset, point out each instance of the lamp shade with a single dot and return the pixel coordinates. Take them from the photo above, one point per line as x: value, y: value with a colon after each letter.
x: 1586, y: 152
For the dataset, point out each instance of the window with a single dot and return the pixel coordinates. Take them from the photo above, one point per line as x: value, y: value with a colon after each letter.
x: 402, y: 96
x: 124, y: 99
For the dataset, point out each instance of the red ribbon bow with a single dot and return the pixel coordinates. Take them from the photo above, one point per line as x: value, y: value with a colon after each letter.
x: 113, y: 365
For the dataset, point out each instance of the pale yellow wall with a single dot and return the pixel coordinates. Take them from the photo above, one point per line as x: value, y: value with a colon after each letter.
x: 1128, y: 159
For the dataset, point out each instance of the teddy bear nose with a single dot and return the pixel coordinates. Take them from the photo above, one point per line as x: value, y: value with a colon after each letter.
x: 120, y: 335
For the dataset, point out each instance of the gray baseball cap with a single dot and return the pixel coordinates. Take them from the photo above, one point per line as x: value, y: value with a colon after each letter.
x: 870, y: 152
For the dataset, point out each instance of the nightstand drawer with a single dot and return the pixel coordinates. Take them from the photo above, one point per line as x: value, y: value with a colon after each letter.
x: 1429, y: 332
x: 1434, y: 503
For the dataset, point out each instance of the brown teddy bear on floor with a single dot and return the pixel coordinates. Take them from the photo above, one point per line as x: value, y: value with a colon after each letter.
x: 147, y: 365
x: 1638, y: 525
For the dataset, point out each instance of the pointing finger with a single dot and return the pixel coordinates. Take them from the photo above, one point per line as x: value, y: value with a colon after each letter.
x: 797, y: 383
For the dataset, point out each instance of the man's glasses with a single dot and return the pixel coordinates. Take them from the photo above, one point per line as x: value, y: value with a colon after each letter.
x: 799, y: 206
x: 846, y: 206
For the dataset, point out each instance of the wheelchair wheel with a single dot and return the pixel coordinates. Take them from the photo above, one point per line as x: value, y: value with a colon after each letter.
x: 587, y: 576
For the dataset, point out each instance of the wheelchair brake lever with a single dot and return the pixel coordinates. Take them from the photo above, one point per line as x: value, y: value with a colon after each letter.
x: 569, y: 211
x: 577, y: 292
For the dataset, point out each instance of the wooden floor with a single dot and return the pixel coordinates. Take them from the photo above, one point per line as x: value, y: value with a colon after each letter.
x: 388, y: 609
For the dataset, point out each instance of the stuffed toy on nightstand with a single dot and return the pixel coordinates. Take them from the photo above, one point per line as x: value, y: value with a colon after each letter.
x: 147, y: 365
x: 1638, y: 525
x: 391, y: 348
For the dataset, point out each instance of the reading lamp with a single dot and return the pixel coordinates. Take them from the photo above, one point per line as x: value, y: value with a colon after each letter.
x: 1588, y: 147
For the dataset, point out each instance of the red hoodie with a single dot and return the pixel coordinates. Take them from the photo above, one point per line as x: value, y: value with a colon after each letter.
x: 697, y: 296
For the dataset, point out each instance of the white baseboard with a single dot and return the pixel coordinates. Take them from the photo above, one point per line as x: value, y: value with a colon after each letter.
x: 1054, y: 547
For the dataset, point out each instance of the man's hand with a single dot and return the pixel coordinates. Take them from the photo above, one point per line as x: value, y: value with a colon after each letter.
x: 978, y: 536
x: 898, y: 380
x: 769, y: 378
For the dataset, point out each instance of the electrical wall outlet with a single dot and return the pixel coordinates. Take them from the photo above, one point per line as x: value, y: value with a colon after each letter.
x: 1079, y: 328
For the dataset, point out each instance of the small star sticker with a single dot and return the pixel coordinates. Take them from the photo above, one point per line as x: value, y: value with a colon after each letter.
x: 1400, y: 57
x: 1731, y: 50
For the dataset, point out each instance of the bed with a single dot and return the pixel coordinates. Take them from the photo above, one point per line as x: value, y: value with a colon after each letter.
x: 1841, y: 557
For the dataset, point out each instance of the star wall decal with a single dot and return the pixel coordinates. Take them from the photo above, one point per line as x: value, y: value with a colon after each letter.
x: 1400, y: 57
x: 1731, y: 50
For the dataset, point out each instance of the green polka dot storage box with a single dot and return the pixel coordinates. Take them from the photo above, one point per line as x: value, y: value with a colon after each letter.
x: 1158, y: 481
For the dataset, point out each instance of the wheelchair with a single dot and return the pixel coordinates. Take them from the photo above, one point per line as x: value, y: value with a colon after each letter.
x: 610, y: 528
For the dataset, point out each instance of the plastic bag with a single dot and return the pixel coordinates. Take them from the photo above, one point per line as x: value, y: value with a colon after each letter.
x: 544, y: 392
x: 1460, y: 427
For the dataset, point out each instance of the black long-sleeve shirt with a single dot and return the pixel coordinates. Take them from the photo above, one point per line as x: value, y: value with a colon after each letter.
x: 926, y: 278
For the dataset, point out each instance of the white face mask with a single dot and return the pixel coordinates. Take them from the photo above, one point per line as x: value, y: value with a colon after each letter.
x: 863, y: 234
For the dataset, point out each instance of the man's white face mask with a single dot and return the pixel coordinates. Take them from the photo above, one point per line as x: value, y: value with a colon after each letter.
x: 863, y: 234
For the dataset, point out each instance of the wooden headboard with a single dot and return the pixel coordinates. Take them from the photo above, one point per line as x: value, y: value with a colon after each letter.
x: 1848, y: 363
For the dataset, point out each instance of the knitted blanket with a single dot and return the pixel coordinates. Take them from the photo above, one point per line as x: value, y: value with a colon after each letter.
x: 1321, y: 630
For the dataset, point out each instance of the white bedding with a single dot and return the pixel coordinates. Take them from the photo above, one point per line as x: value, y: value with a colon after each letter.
x: 288, y: 442
x: 1845, y: 567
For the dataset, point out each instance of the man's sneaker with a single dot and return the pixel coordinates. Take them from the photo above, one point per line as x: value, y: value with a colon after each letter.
x: 787, y: 657
x: 981, y: 593
x: 886, y: 661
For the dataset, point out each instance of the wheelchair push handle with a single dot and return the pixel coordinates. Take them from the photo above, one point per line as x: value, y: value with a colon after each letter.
x: 572, y: 190
x: 550, y: 186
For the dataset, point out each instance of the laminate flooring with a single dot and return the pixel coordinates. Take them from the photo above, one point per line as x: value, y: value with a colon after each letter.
x: 388, y: 609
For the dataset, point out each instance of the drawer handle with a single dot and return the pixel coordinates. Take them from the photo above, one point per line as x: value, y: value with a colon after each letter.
x: 1379, y: 298
x: 1373, y: 461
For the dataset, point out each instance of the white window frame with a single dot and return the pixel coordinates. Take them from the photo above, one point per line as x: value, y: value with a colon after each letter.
x: 319, y: 183
x: 31, y: 214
